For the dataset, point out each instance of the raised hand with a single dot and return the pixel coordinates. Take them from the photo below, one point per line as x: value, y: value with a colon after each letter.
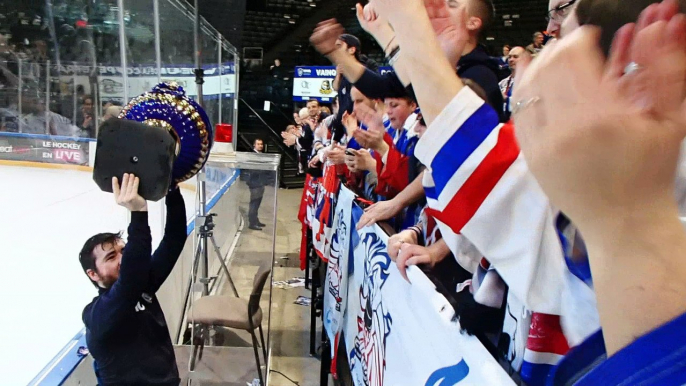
x: 373, y: 137
x: 605, y: 151
x: 324, y: 37
x: 658, y: 86
x: 350, y: 123
x: 598, y: 152
x: 390, y: 9
x: 127, y: 195
x: 375, y: 25
x: 450, y: 25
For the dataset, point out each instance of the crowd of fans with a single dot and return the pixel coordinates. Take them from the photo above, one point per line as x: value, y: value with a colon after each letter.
x: 35, y: 103
x: 546, y: 192
x: 49, y: 102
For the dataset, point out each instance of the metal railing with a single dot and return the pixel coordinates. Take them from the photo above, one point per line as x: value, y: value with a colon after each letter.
x: 277, y: 135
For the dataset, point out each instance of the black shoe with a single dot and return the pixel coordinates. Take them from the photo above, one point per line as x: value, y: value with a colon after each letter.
x: 259, y: 224
x: 255, y: 227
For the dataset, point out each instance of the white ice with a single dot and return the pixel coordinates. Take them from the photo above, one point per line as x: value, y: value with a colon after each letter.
x: 47, y: 216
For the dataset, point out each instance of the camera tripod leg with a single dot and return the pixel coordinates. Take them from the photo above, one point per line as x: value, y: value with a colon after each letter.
x: 224, y: 267
x: 198, y: 341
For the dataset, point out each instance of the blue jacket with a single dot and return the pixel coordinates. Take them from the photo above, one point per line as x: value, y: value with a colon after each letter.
x: 657, y: 358
x: 126, y: 331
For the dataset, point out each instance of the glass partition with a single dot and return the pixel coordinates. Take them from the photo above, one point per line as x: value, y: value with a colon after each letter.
x: 228, y: 101
x: 246, y: 250
x: 65, y: 67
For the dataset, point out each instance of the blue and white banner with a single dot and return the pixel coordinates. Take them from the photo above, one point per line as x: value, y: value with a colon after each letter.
x: 218, y: 80
x: 397, y: 333
x: 316, y: 82
x: 336, y: 292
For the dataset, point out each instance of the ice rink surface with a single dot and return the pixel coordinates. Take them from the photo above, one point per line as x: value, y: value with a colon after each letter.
x: 47, y: 216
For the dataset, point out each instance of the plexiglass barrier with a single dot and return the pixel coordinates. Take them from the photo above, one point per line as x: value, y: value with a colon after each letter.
x: 65, y: 67
x: 72, y: 61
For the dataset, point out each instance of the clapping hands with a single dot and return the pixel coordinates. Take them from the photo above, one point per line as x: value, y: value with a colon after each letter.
x: 607, y: 146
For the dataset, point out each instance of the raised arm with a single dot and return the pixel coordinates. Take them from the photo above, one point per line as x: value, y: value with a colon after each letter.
x: 173, y: 241
x: 112, y: 305
x: 626, y: 211
x: 324, y: 40
x: 430, y: 71
x: 478, y: 185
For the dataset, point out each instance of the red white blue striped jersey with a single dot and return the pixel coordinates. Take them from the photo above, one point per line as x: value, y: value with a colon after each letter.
x: 478, y: 185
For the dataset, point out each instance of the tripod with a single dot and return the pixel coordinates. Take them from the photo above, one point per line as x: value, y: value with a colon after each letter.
x: 205, y: 226
x: 205, y: 231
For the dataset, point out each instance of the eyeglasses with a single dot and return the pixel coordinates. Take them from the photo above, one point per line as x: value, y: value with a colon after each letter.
x: 560, y: 12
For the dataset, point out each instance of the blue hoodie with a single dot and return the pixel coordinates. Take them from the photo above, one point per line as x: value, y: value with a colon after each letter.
x: 126, y: 331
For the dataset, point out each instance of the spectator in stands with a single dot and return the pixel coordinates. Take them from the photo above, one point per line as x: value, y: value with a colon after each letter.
x: 337, y: 47
x: 40, y: 51
x: 275, y: 70
x: 431, y: 78
x: 503, y: 65
x: 537, y: 45
x: 36, y: 120
x: 506, y: 85
x: 126, y: 331
x: 315, y: 111
x: 86, y: 120
x: 402, y: 116
x: 642, y: 329
x: 360, y: 162
x: 558, y: 12
x: 277, y: 84
x: 472, y: 62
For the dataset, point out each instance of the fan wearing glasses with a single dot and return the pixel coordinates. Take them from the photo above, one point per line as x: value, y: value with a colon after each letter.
x: 557, y: 14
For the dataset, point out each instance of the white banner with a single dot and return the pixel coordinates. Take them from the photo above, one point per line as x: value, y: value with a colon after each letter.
x: 314, y: 87
x: 398, y: 333
x: 337, y: 269
x: 112, y: 86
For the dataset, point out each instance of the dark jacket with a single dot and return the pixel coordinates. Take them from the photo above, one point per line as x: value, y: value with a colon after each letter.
x: 479, y: 67
x: 476, y: 65
x: 307, y: 139
x: 345, y: 102
x: 126, y: 331
x: 256, y: 178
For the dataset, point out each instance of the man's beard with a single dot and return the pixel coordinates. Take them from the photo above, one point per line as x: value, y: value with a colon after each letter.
x: 108, y: 281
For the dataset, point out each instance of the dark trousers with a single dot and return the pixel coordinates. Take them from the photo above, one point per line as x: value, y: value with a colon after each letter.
x: 256, y: 195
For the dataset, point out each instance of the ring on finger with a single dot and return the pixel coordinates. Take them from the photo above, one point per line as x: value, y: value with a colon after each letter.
x: 632, y: 68
x: 523, y: 104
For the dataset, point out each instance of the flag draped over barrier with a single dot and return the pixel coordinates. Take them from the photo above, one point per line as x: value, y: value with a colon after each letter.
x: 396, y: 333
x: 336, y: 290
